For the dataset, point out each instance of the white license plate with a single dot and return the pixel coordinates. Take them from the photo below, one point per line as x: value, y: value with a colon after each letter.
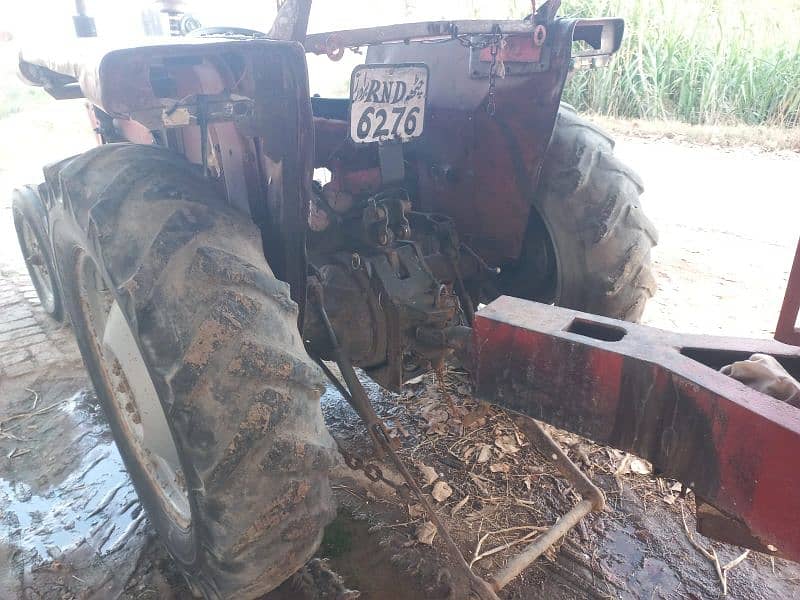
x: 387, y: 102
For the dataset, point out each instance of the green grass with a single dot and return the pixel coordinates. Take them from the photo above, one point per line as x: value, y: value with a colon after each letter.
x: 713, y: 62
x: 708, y: 62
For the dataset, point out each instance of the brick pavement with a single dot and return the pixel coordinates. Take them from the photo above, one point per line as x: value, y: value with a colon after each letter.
x: 30, y: 341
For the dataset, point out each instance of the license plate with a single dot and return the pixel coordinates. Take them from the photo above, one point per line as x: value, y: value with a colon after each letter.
x: 387, y: 102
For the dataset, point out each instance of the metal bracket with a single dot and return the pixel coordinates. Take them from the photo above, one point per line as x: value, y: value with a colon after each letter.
x: 390, y: 155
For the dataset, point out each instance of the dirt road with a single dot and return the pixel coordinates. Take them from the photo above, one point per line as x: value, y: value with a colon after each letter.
x: 70, y: 523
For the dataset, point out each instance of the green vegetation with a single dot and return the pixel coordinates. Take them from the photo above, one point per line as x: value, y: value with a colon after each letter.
x: 714, y: 62
x: 697, y: 61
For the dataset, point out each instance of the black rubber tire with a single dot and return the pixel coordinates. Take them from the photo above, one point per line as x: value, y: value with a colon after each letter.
x: 219, y: 336
x: 28, y: 208
x: 588, y: 242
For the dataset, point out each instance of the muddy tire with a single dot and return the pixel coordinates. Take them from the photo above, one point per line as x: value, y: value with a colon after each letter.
x: 30, y: 222
x: 171, y: 298
x: 588, y: 242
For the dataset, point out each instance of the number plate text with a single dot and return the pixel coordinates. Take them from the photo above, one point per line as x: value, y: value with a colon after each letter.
x: 387, y: 102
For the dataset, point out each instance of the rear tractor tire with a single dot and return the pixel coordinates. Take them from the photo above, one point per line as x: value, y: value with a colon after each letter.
x: 193, y: 348
x: 30, y: 222
x: 588, y: 242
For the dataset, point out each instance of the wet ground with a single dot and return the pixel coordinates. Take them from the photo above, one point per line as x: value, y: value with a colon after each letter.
x: 70, y: 525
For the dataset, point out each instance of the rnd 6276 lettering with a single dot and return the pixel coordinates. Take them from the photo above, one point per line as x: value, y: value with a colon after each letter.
x: 387, y: 102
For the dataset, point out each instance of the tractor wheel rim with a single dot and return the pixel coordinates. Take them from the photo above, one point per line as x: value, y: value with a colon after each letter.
x: 134, y: 397
x: 37, y: 267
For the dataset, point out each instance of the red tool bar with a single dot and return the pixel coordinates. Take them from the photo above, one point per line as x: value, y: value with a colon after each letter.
x: 659, y: 395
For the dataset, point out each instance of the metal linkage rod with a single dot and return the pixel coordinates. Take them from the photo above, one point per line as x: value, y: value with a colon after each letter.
x: 593, y: 500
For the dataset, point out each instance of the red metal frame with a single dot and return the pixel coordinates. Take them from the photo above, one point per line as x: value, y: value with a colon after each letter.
x: 660, y: 395
x: 787, y: 328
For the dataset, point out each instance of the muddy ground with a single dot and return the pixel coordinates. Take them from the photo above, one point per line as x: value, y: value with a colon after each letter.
x: 70, y: 525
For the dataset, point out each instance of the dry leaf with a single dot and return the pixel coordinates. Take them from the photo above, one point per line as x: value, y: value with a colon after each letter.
x: 398, y: 431
x: 483, y: 513
x: 428, y: 473
x: 500, y: 468
x: 485, y: 454
x: 435, y: 416
x: 528, y: 482
x: 670, y: 499
x: 624, y: 466
x: 582, y: 452
x: 676, y: 487
x: 415, y: 510
x: 507, y: 444
x: 468, y: 452
x: 641, y: 467
x: 437, y: 429
x: 478, y: 482
x: 426, y: 532
x: 459, y: 506
x: 441, y: 491
x: 478, y: 416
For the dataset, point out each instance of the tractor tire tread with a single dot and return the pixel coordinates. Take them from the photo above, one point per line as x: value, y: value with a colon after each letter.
x: 589, y: 202
x: 220, y: 332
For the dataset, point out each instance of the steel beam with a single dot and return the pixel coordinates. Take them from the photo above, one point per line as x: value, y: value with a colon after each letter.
x: 659, y: 395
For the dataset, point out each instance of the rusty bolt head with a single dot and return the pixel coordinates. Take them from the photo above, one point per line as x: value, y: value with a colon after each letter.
x: 539, y: 35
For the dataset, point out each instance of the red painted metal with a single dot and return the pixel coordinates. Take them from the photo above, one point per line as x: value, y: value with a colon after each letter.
x: 517, y: 48
x: 787, y: 329
x: 483, y: 171
x: 657, y: 394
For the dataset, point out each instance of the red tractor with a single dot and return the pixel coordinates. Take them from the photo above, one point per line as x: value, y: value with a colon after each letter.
x: 208, y: 276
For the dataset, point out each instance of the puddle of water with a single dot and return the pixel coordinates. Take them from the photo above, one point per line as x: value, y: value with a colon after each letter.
x: 94, y: 503
x: 646, y: 575
x: 621, y: 547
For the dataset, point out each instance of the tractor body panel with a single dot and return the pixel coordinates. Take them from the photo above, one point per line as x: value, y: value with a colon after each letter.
x: 252, y: 100
x: 482, y: 169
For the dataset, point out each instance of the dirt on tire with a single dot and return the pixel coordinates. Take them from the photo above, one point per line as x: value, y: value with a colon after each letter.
x: 588, y: 242
x: 218, y: 333
x: 30, y: 219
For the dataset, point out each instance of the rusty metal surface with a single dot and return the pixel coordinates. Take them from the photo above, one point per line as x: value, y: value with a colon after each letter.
x: 604, y: 36
x: 787, y: 329
x: 291, y: 22
x: 657, y: 394
x: 592, y: 500
x: 137, y: 88
x: 482, y: 171
x: 320, y: 43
